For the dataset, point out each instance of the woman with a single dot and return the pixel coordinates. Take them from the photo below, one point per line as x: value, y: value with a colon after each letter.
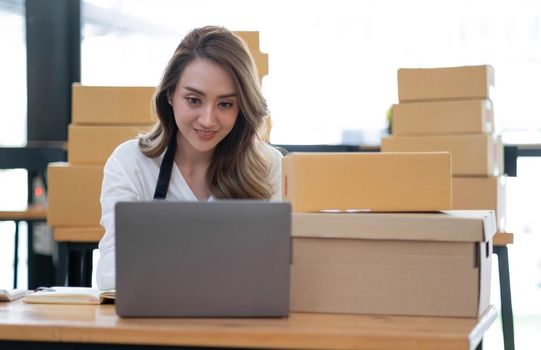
x: 205, y: 144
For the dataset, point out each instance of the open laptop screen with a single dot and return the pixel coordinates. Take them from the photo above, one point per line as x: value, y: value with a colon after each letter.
x: 203, y: 259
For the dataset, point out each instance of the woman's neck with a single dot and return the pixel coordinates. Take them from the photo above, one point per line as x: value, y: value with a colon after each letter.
x: 193, y: 166
x: 189, y: 157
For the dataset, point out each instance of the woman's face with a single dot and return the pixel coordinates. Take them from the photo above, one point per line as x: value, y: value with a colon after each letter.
x: 205, y: 104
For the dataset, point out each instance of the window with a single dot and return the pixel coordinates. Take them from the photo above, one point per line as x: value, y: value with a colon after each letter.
x: 332, y: 73
x: 13, y: 73
x: 13, y: 187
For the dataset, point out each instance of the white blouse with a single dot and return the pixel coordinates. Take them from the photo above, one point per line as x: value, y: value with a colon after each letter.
x: 129, y: 175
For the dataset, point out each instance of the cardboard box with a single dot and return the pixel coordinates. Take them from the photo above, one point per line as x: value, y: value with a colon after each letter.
x: 367, y: 181
x: 94, y: 144
x: 111, y: 105
x: 425, y: 264
x: 74, y: 194
x: 485, y: 193
x: 443, y: 117
x: 261, y: 60
x: 468, y: 82
x: 78, y: 233
x: 472, y: 155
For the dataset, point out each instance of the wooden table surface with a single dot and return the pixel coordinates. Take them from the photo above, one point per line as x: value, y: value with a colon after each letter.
x: 100, y: 324
x: 95, y: 233
x: 502, y: 239
x: 33, y: 212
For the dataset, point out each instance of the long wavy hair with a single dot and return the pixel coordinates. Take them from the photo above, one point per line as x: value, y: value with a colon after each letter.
x: 237, y: 168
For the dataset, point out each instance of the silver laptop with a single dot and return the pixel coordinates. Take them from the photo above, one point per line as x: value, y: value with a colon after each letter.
x: 191, y: 259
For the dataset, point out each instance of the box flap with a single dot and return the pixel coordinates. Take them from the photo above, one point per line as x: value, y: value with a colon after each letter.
x: 453, y: 225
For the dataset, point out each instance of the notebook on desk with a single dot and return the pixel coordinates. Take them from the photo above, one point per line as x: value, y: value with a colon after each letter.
x: 193, y: 259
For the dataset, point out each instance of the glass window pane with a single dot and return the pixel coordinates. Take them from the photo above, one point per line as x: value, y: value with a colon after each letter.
x: 13, y: 74
x: 332, y: 64
x: 12, y: 128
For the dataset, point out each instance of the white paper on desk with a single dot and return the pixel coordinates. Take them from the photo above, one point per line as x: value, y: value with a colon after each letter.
x: 70, y: 295
x: 10, y: 295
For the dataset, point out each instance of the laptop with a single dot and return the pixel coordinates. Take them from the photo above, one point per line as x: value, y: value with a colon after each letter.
x: 226, y: 258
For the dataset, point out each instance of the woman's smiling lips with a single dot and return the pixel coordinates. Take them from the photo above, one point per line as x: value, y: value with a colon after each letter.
x: 205, y: 134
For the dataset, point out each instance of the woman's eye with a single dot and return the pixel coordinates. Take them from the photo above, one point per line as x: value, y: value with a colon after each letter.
x: 193, y: 100
x: 225, y: 105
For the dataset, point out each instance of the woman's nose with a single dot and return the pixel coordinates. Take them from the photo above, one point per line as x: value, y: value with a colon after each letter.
x: 208, y: 116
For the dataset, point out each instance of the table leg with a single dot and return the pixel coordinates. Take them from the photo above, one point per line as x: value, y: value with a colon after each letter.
x: 86, y: 268
x: 63, y: 261
x: 16, y: 256
x: 74, y: 267
x: 505, y: 297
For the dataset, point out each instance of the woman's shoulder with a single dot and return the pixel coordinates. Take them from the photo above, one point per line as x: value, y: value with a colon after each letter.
x: 128, y: 149
x: 129, y: 153
x: 269, y: 151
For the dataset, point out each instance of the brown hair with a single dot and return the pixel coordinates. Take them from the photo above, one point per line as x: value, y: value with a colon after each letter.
x: 237, y: 169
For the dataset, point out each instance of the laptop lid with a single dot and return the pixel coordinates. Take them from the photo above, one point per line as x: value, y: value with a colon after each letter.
x: 203, y: 259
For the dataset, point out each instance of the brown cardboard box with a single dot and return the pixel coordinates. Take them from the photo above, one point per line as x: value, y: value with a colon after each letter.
x: 261, y: 59
x: 426, y: 264
x: 367, y: 181
x: 472, y: 155
x: 74, y: 194
x: 443, y: 117
x: 468, y: 82
x: 94, y: 144
x: 487, y: 193
x: 111, y: 105
x: 78, y: 233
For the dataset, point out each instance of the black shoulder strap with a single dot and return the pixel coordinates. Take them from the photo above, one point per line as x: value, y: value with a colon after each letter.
x: 166, y: 168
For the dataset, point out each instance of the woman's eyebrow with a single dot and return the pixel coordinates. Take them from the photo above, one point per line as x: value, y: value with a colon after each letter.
x: 199, y: 92
x: 228, y: 95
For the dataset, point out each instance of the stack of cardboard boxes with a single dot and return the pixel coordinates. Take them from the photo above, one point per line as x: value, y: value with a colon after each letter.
x: 368, y: 237
x: 261, y: 61
x: 102, y: 118
x: 450, y: 109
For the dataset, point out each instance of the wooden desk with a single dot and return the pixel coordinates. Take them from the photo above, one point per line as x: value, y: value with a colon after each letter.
x: 95, y: 233
x: 31, y: 213
x: 502, y: 239
x: 84, y: 238
x: 100, y: 325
